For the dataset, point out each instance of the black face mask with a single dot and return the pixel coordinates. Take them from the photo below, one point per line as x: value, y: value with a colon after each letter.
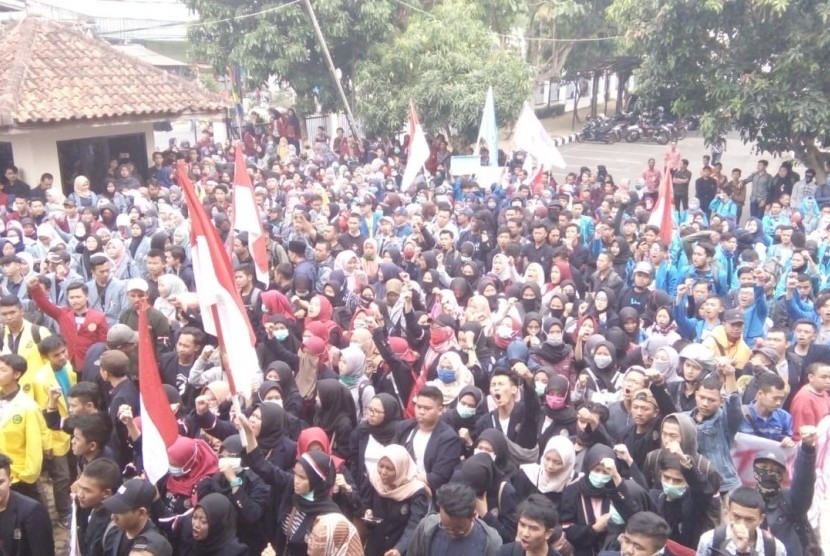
x: 767, y: 482
x: 332, y: 299
x: 529, y: 305
x: 305, y: 296
x: 557, y: 313
x: 492, y: 301
x: 366, y: 301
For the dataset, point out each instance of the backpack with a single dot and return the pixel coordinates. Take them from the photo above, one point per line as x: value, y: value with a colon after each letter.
x: 35, y: 335
x: 719, y: 542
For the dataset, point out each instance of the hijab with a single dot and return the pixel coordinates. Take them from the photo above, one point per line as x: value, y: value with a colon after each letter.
x: 313, y: 355
x: 266, y: 387
x: 221, y: 519
x: 175, y: 287
x: 276, y: 303
x: 121, y: 251
x: 336, y: 403
x: 503, y: 466
x: 316, y: 435
x: 478, y: 472
x: 342, y: 539
x: 272, y: 428
x: 286, y: 381
x: 196, y: 459
x: 362, y: 339
x: 545, y: 482
x: 321, y: 472
x: 593, y: 456
x: 135, y: 242
x: 384, y: 432
x: 355, y: 361
x: 406, y: 484
x: 505, y: 275
x: 501, y: 342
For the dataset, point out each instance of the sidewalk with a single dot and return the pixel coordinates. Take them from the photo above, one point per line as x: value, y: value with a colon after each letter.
x: 562, y: 127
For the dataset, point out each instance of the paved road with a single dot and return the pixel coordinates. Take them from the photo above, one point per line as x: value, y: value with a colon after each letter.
x: 628, y: 160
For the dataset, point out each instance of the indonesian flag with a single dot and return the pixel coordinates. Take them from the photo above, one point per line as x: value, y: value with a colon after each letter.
x: 530, y: 136
x: 246, y: 216
x: 158, y: 424
x: 418, y: 149
x: 222, y: 311
x: 661, y: 216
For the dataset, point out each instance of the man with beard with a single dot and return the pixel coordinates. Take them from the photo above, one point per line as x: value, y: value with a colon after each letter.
x: 786, y: 509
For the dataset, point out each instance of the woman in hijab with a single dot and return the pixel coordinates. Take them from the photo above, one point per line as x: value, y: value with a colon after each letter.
x: 534, y: 274
x: 478, y: 311
x: 335, y: 414
x: 281, y: 373
x: 82, y: 193
x: 493, y: 442
x: 664, y: 325
x: 345, y: 493
x: 251, y: 499
x: 446, y: 304
x: 551, y: 475
x: 319, y: 309
x: 530, y: 299
x: 312, y: 364
x: 441, y: 339
x: 501, y: 269
x: 493, y: 491
x: 191, y: 462
x: 585, y: 502
x: 334, y: 535
x: 623, y: 259
x: 274, y: 302
x: 297, y: 508
x: 476, y: 354
x: 507, y: 329
x: 466, y: 411
x: 346, y: 266
x: 352, y: 367
x: 170, y: 286
x: 271, y: 391
x: 369, y: 262
x: 489, y: 288
x: 429, y: 281
x: 268, y: 421
x: 363, y: 339
x: 461, y: 291
x: 451, y: 376
x: 213, y: 525
x: 378, y: 430
x: 123, y: 268
x: 602, y: 309
x: 282, y: 339
x: 396, y: 501
x: 532, y: 333
x: 139, y: 245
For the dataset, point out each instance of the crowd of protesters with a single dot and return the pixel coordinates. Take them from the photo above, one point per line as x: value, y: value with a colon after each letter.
x: 446, y: 367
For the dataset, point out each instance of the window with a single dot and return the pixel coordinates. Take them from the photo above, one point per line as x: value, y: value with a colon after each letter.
x: 91, y: 157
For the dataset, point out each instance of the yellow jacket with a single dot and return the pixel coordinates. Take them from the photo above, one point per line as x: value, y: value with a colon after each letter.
x: 21, y: 434
x: 718, y: 343
x: 45, y: 379
x: 27, y: 349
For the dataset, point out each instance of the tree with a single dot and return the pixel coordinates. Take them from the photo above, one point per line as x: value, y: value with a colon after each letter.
x: 282, y: 43
x: 756, y: 65
x: 444, y: 61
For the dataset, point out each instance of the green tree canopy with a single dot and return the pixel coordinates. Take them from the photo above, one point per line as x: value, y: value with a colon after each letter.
x: 444, y: 61
x: 282, y: 42
x: 756, y: 65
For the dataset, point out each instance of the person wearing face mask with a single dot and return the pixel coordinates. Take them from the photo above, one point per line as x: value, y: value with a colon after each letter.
x: 451, y: 376
x: 786, y: 509
x: 586, y: 503
x: 531, y: 299
x: 551, y: 475
x: 245, y: 489
x: 191, y: 462
x: 553, y: 355
x: 683, y: 497
x: 352, y: 367
x: 600, y: 370
x: 463, y: 416
x: 506, y: 331
x: 559, y: 418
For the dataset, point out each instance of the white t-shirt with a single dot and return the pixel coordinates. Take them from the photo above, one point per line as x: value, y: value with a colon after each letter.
x: 419, y: 447
x: 372, y: 455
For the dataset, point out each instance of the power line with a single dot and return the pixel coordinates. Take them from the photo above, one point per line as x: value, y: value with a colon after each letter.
x: 203, y: 23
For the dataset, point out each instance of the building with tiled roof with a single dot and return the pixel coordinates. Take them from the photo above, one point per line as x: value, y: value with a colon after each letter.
x: 70, y: 102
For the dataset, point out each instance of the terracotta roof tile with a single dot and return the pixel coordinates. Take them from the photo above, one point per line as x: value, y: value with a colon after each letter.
x: 51, y: 72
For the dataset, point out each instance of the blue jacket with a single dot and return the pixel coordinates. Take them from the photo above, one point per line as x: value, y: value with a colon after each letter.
x: 727, y: 209
x: 691, y: 328
x: 715, y: 437
x: 756, y: 316
x: 665, y: 278
x: 715, y: 276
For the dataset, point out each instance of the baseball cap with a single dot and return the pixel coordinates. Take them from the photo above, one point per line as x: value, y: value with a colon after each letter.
x: 733, y: 316
x: 139, y: 284
x: 644, y: 395
x: 133, y: 494
x: 152, y: 543
x: 69, y: 202
x: 774, y: 455
x: 767, y: 352
x: 643, y: 267
x: 121, y: 334
x: 401, y: 211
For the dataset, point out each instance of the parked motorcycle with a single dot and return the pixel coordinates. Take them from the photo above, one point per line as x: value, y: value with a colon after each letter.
x: 599, y: 129
x: 648, y: 129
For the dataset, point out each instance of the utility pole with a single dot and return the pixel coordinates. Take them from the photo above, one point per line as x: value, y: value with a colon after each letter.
x: 322, y: 40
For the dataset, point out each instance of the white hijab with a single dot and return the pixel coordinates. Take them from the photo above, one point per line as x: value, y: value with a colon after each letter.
x: 553, y: 483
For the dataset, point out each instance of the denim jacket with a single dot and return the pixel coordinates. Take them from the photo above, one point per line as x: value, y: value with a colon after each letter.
x: 715, y: 436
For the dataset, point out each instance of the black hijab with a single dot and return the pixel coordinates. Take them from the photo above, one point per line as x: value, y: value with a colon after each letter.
x: 593, y: 456
x: 385, y: 431
x: 319, y: 468
x: 336, y: 402
x: 272, y: 429
x: 504, y: 468
x: 456, y: 421
x: 479, y: 473
x: 287, y: 383
x: 266, y: 387
x: 221, y: 519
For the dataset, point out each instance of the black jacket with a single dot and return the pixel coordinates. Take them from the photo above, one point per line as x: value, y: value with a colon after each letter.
x: 25, y: 527
x: 398, y: 520
x: 125, y: 393
x: 442, y: 454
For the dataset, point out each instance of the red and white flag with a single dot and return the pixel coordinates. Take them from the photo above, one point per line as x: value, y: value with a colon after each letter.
x: 246, y: 216
x: 158, y: 424
x: 418, y: 149
x: 661, y: 216
x: 223, y: 313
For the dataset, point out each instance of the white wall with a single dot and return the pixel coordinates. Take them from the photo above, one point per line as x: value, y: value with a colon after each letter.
x: 36, y: 152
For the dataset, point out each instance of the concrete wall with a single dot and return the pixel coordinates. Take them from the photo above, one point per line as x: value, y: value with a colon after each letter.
x: 35, y: 151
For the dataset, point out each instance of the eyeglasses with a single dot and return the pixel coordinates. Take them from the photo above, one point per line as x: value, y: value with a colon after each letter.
x: 373, y: 411
x: 457, y: 533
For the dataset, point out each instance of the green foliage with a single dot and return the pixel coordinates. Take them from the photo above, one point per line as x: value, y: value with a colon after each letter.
x: 444, y: 61
x: 282, y: 42
x: 757, y: 65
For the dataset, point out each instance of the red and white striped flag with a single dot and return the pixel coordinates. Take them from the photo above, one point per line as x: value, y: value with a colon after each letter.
x: 158, y: 424
x: 246, y: 216
x: 661, y: 216
x: 418, y: 149
x: 223, y: 313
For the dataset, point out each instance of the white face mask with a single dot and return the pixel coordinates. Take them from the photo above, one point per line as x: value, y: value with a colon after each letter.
x: 479, y: 451
x: 275, y: 402
x: 603, y: 361
x: 505, y: 332
x: 234, y: 463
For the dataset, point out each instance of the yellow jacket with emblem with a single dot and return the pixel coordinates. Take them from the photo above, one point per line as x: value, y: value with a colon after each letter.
x: 27, y: 349
x: 45, y: 379
x: 21, y: 429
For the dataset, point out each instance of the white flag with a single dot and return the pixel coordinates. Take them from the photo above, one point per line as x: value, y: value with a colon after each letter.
x: 530, y: 136
x: 489, y: 131
x: 418, y: 149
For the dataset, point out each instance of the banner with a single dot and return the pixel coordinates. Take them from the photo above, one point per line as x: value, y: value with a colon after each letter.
x: 744, y: 450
